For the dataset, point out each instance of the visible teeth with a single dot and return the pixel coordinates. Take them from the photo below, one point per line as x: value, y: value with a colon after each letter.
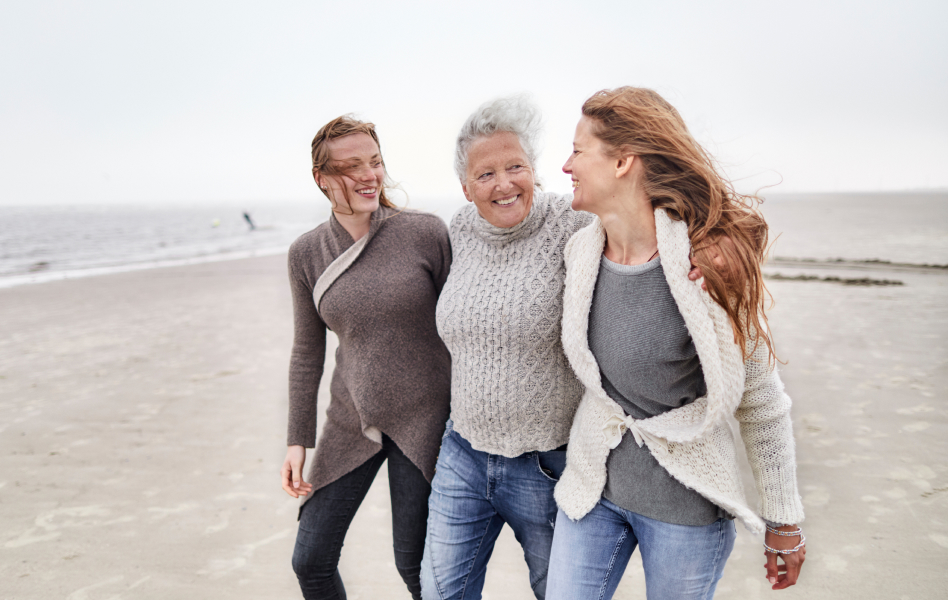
x: 507, y: 201
x: 366, y: 191
x: 575, y: 184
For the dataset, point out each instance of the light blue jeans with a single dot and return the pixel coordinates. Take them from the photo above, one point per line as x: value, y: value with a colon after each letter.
x: 472, y: 495
x: 681, y: 562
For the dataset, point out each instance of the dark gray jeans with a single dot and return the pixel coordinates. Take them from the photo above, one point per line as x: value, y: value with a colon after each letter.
x: 325, y: 519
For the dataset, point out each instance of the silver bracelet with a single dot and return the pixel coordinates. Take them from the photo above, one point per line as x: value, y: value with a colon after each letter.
x: 776, y: 531
x: 791, y: 550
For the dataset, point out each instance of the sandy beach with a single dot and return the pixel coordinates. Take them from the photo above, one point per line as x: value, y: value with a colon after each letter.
x: 143, y: 426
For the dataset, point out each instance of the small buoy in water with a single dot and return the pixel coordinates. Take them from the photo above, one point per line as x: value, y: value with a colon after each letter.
x: 216, y: 223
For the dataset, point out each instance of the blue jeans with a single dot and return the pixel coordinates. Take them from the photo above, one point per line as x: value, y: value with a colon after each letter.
x: 472, y: 495
x: 681, y: 562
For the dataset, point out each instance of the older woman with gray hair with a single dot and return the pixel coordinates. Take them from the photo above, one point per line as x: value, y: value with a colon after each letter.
x: 513, y: 394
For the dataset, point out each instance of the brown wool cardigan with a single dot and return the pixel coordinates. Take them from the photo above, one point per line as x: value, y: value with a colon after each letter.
x: 392, y: 370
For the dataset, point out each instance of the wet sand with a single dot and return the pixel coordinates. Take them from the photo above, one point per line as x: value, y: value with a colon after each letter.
x: 142, y: 420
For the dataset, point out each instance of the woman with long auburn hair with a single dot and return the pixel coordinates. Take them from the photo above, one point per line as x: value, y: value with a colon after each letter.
x: 372, y: 273
x: 667, y: 364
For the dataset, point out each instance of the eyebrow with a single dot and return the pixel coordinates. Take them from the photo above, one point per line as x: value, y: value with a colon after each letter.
x: 355, y: 159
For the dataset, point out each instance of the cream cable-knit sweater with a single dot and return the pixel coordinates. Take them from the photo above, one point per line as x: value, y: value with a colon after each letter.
x: 693, y: 443
x: 512, y: 390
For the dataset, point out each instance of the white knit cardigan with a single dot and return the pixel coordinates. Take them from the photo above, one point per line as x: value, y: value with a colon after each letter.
x: 694, y: 442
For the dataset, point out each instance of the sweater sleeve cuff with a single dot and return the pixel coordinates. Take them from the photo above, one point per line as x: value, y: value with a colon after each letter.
x: 774, y: 524
x: 296, y: 440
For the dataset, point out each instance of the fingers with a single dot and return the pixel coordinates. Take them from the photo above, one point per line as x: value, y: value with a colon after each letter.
x: 771, y: 567
x: 717, y: 259
x: 782, y: 576
x: 297, y: 477
x: 695, y: 273
x: 291, y: 473
x: 792, y: 564
x: 286, y: 477
x: 294, y: 487
x: 299, y: 485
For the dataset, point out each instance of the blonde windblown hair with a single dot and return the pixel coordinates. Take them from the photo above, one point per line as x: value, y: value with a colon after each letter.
x: 322, y: 159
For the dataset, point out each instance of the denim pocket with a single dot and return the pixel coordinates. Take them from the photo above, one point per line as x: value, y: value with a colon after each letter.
x: 551, y: 464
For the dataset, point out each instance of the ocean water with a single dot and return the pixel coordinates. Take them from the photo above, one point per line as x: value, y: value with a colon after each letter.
x: 56, y: 242
x: 47, y: 243
x: 910, y: 227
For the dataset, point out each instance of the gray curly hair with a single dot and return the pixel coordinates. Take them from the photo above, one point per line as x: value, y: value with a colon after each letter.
x: 516, y: 114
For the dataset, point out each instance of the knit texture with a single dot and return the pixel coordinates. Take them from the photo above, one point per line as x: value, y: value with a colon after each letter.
x: 512, y: 390
x: 392, y: 370
x: 693, y: 443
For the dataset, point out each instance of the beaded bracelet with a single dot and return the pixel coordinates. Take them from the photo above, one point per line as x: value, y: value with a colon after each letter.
x: 776, y: 531
x: 791, y: 550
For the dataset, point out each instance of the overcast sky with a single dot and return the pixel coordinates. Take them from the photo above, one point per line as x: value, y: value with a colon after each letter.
x: 200, y: 102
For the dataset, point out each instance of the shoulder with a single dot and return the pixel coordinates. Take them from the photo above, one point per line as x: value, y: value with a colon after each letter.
x: 414, y: 229
x: 586, y: 241
x: 310, y: 242
x: 309, y: 253
x: 425, y: 223
x: 559, y: 212
x: 463, y: 218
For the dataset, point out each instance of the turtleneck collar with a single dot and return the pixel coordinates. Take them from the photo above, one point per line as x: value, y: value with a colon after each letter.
x: 522, y: 230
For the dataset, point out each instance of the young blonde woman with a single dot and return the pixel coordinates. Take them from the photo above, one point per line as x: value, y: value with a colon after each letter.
x: 651, y: 460
x: 372, y: 274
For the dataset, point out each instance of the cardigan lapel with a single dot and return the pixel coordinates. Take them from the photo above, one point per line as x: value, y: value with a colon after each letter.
x: 707, y: 322
x: 345, y: 260
x: 582, y: 255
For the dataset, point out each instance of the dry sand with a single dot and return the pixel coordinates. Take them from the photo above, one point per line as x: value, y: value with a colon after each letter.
x: 143, y: 415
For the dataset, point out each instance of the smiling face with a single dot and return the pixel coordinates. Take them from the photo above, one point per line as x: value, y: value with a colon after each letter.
x: 499, y: 179
x: 358, y: 174
x: 592, y: 171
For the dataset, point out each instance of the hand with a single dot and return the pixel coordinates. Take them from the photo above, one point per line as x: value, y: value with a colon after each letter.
x: 717, y: 259
x: 784, y: 575
x: 292, y: 472
x: 695, y: 274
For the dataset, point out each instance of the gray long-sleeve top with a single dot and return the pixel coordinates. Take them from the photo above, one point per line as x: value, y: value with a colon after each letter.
x: 648, y: 364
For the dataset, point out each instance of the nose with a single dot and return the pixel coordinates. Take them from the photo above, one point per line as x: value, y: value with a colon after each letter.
x: 364, y: 174
x: 504, y: 183
x: 568, y: 166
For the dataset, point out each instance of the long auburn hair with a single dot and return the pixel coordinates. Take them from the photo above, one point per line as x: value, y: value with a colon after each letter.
x: 681, y: 177
x: 322, y: 159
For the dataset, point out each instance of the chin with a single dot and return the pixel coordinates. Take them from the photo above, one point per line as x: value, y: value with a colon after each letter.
x: 369, y: 206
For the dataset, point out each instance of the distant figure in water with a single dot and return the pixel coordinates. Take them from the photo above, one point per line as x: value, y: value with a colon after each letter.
x: 249, y: 221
